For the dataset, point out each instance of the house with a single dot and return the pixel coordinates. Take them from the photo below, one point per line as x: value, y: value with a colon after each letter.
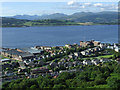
x: 95, y: 61
x: 104, y: 60
x: 8, y: 73
x: 22, y: 71
x: 61, y: 47
x: 77, y: 54
x: 96, y: 43
x: 77, y: 63
x: 83, y: 52
x: 110, y: 47
x: 68, y: 46
x: 43, y: 56
x: 70, y: 71
x: 86, y: 52
x: 92, y: 50
x: 14, y: 54
x: 5, y: 60
x: 87, y: 43
x: 64, y: 51
x: 117, y: 49
x: 71, y: 56
x: 103, y: 45
x: 22, y: 65
x: 45, y: 47
x: 31, y: 64
x: 87, y: 62
x: 41, y: 63
x: 30, y: 50
x: 60, y: 63
x: 37, y: 47
x: 53, y: 64
x: 39, y: 70
x: 27, y: 61
x: 96, y: 49
x: 69, y: 64
x: 47, y: 56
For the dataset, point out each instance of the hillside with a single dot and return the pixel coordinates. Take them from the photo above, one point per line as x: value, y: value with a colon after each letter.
x: 80, y: 18
x: 100, y: 17
x: 36, y: 17
x: 11, y: 22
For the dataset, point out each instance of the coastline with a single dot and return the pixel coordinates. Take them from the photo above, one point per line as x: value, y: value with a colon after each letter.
x: 61, y: 25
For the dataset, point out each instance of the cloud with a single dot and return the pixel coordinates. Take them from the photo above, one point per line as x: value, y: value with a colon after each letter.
x: 110, y: 7
x: 70, y: 2
x: 87, y: 3
x: 90, y: 5
x: 98, y: 4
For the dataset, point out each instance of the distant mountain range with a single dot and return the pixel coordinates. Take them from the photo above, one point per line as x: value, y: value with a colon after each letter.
x: 99, y: 17
x: 80, y: 18
x: 36, y: 17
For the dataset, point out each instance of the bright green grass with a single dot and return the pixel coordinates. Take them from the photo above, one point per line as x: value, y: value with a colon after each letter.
x: 102, y: 86
x: 103, y: 56
x: 106, y: 56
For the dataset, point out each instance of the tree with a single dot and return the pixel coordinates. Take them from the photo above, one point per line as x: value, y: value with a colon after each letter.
x: 33, y: 87
x: 100, y: 81
x: 113, y: 82
x: 59, y: 86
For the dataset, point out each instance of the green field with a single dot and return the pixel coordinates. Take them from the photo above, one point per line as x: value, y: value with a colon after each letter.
x: 106, y: 56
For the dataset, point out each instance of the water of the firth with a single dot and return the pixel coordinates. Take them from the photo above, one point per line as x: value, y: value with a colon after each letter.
x: 18, y: 37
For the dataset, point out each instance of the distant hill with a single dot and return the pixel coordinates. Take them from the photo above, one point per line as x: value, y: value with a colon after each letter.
x: 12, y: 22
x: 100, y: 17
x: 36, y: 17
x: 79, y: 18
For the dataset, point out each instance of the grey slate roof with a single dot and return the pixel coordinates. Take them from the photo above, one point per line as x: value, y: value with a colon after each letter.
x: 30, y: 50
x: 14, y: 52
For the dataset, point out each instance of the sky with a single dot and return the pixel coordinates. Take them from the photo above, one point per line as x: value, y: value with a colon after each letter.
x: 68, y: 7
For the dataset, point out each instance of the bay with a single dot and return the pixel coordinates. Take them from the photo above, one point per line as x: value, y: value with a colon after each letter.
x: 20, y: 37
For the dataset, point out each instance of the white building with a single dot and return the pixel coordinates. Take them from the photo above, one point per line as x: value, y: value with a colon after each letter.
x: 87, y: 62
x: 95, y: 61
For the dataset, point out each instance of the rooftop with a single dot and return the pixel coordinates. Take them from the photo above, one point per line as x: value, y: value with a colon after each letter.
x: 30, y: 50
x: 15, y: 52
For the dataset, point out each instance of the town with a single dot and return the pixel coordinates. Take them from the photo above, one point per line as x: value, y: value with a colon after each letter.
x: 46, y: 60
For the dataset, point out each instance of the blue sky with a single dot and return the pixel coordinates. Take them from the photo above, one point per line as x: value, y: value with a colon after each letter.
x: 40, y: 8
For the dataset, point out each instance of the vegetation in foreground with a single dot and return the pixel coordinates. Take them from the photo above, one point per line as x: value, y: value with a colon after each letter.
x: 104, y: 76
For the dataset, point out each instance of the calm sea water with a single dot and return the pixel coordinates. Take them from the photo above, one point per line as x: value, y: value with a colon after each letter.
x: 57, y: 35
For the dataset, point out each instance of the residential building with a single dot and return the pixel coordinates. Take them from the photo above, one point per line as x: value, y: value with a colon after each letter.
x: 87, y: 62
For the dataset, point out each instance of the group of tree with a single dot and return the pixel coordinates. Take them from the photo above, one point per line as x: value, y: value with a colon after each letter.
x: 106, y: 76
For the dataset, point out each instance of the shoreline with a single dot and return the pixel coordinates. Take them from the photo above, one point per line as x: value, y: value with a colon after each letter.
x: 63, y: 25
x: 56, y: 45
